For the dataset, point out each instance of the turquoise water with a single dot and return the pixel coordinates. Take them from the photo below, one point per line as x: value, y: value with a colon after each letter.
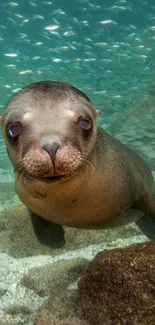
x: 106, y: 48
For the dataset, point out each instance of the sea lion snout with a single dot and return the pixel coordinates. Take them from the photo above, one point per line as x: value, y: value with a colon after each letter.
x: 50, y: 160
x: 52, y: 150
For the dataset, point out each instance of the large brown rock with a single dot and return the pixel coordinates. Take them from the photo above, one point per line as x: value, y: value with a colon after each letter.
x: 118, y: 287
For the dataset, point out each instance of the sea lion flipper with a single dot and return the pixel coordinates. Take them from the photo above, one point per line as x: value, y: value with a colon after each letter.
x: 151, y: 210
x: 146, y: 204
x: 147, y: 227
x: 47, y: 232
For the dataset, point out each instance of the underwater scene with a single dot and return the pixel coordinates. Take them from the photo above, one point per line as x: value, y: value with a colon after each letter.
x: 105, y: 48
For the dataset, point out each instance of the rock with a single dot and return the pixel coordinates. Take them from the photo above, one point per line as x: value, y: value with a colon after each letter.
x: 49, y: 279
x: 17, y: 236
x: 45, y: 318
x: 38, y: 283
x: 62, y: 309
x: 60, y: 284
x: 118, y: 286
x: 39, y: 280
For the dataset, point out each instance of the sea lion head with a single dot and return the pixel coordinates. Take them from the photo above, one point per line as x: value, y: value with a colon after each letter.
x: 49, y: 128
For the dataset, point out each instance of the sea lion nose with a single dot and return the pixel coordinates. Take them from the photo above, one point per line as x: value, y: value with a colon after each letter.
x: 52, y: 150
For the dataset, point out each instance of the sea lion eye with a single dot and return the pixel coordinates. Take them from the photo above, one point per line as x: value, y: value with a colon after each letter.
x: 13, y: 130
x: 85, y: 123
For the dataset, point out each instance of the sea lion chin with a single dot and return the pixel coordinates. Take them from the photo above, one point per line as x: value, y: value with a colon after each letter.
x: 68, y: 171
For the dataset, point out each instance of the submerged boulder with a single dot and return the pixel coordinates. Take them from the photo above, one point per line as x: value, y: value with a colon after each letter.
x: 118, y: 286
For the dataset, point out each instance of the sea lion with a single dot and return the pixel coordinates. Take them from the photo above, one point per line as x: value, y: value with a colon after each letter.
x: 68, y: 171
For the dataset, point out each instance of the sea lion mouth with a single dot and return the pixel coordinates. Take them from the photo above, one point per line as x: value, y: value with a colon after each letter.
x: 38, y: 175
x: 48, y: 179
x: 51, y: 179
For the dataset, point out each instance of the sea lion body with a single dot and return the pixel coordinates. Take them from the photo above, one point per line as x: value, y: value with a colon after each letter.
x: 67, y: 170
x: 95, y: 197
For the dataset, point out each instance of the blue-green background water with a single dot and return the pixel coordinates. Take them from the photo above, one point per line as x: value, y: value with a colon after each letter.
x: 104, y: 47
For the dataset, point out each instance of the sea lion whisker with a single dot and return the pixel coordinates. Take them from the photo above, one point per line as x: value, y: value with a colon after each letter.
x: 28, y: 176
x: 19, y: 167
x: 20, y: 170
x: 88, y: 163
x: 88, y: 166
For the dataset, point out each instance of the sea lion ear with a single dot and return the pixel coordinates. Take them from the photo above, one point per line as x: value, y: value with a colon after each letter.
x: 98, y: 112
